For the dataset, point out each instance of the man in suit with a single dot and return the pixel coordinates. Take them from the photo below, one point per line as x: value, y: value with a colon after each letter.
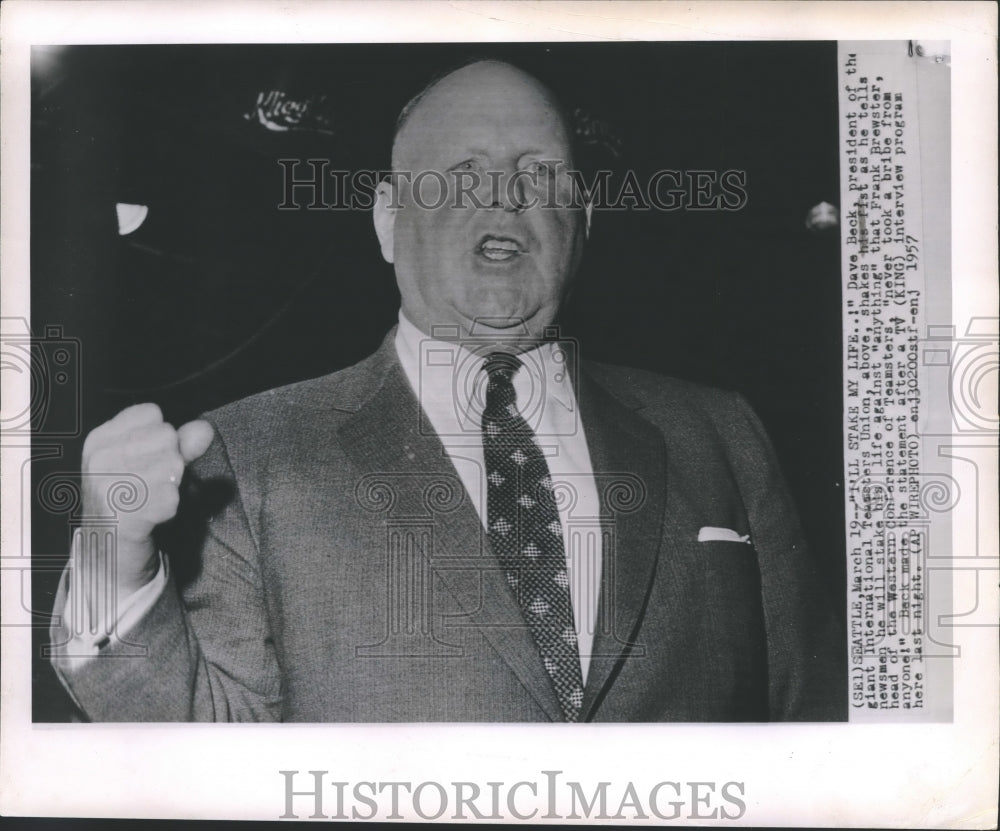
x: 474, y: 523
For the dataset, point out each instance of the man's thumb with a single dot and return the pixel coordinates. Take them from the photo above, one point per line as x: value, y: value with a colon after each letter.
x: 193, y: 439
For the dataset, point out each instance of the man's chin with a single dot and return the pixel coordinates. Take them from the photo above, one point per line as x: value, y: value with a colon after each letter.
x: 485, y: 320
x: 506, y: 324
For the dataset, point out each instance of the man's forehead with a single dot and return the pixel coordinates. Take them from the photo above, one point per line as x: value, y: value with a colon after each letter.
x: 481, y: 104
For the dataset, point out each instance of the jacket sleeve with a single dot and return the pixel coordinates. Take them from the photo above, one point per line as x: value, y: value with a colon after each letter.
x: 806, y: 653
x: 203, y: 651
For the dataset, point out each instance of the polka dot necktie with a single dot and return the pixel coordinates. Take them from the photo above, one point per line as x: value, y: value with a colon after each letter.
x: 525, y: 532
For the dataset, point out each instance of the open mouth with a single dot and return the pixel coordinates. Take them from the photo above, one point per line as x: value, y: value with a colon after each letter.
x: 499, y: 249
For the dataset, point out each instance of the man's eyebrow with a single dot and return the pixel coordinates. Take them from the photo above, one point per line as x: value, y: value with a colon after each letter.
x: 553, y: 153
x: 461, y: 154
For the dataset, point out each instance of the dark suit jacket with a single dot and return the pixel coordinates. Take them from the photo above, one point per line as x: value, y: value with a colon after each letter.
x: 347, y: 577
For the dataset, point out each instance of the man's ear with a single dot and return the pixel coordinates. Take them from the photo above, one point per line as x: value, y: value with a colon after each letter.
x: 384, y: 217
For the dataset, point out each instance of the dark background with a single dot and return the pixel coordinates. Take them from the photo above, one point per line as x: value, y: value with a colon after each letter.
x: 219, y: 294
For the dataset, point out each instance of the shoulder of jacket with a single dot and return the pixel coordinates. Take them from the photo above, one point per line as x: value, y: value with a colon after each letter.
x: 343, y: 391
x: 648, y: 389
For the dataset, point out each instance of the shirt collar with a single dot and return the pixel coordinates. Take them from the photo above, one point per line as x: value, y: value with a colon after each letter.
x: 447, y: 378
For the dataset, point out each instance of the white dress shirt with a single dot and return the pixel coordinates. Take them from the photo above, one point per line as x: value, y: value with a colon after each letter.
x: 447, y: 380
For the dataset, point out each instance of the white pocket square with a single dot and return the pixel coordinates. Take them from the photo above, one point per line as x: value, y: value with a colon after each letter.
x: 709, y: 534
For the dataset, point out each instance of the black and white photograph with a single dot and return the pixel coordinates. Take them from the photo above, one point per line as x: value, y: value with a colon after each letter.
x: 406, y: 391
x: 360, y: 546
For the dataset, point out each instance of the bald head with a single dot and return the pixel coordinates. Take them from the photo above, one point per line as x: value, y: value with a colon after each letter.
x: 495, y: 83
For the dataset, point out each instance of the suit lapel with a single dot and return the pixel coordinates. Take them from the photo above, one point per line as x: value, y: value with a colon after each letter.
x: 629, y: 461
x: 384, y: 438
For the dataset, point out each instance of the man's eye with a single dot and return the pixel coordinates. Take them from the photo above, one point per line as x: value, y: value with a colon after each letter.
x: 468, y: 165
x: 541, y: 169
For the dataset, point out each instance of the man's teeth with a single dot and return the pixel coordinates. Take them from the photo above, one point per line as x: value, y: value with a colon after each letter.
x: 496, y: 249
x: 498, y: 253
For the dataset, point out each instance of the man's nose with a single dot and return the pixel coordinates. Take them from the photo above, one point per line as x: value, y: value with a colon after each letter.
x: 508, y: 190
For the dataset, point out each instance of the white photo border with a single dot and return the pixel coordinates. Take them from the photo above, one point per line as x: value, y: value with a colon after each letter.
x: 937, y: 775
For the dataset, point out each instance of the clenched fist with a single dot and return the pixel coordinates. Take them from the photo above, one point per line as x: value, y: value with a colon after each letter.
x: 138, y: 442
